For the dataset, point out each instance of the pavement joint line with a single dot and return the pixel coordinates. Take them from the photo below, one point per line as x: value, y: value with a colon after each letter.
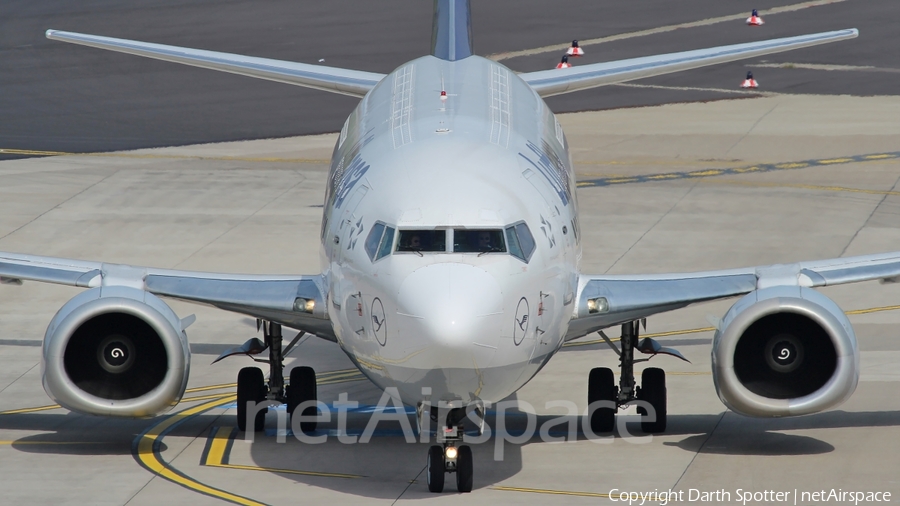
x: 827, y: 68
x: 758, y: 168
x: 272, y: 159
x: 662, y: 29
x: 807, y: 187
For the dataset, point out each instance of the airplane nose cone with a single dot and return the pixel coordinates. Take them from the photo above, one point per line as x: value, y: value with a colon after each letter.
x: 456, y: 307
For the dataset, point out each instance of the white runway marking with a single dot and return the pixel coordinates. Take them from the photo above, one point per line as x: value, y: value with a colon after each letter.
x: 662, y: 29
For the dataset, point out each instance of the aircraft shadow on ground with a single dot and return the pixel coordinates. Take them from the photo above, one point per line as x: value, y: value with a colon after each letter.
x: 69, y: 433
x: 387, y: 464
x: 755, y: 436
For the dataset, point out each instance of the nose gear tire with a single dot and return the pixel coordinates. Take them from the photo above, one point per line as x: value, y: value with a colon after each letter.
x: 464, y: 469
x: 435, y: 469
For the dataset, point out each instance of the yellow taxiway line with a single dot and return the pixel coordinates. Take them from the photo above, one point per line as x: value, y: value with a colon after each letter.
x: 710, y: 329
x: 326, y: 378
x: 146, y: 450
x: 550, y: 491
x: 218, y: 452
x: 655, y: 335
x: 29, y: 410
x: 51, y: 443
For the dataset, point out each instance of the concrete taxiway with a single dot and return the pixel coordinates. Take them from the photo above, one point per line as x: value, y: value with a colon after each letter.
x: 679, y: 187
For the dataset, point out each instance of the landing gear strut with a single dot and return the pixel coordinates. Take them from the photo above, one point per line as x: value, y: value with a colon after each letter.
x: 252, y: 388
x: 449, y: 456
x: 603, y: 391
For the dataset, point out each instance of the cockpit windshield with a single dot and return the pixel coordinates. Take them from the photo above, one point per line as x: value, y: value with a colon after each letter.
x: 422, y: 241
x: 515, y: 240
x: 478, y: 241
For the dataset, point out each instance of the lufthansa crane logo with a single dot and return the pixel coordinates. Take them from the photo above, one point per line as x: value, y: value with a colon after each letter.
x: 520, y: 326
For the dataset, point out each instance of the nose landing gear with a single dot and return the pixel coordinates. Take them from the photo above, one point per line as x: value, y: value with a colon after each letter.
x: 450, y: 456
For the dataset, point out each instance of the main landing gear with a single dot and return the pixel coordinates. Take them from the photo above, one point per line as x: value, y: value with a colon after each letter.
x: 450, y: 456
x: 252, y: 389
x: 603, y: 391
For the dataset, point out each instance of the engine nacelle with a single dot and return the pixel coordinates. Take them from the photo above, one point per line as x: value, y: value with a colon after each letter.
x: 784, y: 351
x: 116, y: 351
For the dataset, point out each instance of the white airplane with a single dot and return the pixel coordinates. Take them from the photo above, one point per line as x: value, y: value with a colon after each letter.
x: 450, y: 252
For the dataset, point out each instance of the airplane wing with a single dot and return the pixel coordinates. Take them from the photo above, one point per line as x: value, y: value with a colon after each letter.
x: 620, y: 299
x: 280, y: 299
x: 556, y: 82
x: 355, y: 83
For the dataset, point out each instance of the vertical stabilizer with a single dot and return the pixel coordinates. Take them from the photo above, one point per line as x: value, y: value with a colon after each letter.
x: 451, y: 34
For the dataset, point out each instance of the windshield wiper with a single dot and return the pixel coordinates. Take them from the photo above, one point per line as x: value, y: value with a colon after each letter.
x: 495, y: 249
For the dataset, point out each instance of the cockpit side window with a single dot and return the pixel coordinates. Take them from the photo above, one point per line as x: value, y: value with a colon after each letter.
x: 379, y: 241
x: 521, y: 242
x: 419, y: 241
x: 478, y: 241
x: 387, y: 242
x: 374, y: 240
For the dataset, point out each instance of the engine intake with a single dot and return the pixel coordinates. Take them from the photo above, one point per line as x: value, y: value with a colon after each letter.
x: 116, y: 351
x: 784, y: 351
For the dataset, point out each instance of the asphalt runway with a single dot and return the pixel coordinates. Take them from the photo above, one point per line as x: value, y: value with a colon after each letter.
x: 662, y: 189
x: 60, y: 97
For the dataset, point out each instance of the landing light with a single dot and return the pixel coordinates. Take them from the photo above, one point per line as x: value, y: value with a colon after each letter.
x: 304, y: 305
x: 450, y: 452
x: 598, y: 305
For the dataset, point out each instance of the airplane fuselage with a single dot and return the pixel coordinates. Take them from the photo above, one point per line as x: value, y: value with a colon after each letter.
x: 449, y: 319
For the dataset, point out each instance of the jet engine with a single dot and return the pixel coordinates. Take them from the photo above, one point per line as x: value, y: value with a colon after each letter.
x: 784, y: 351
x: 116, y: 351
